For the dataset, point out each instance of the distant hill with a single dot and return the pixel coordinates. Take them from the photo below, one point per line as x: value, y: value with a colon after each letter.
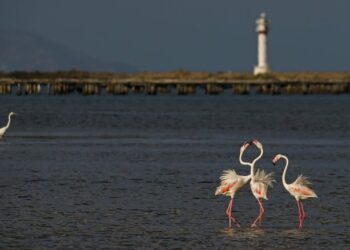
x: 24, y: 51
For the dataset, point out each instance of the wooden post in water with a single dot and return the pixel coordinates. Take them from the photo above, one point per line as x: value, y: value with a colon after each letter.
x: 91, y: 89
x: 31, y: 88
x: 305, y: 88
x: 137, y: 89
x: 275, y: 89
x: 58, y: 88
x: 151, y: 89
x: 38, y: 88
x: 85, y: 90
x: 270, y: 88
x: 5, y: 89
x: 263, y: 89
x: 242, y: 89
x: 164, y: 89
x: 9, y: 88
x: 338, y: 88
x: 314, y: 89
x: 184, y: 89
x: 296, y: 88
x: 27, y: 89
x: 213, y: 89
x: 118, y: 89
x: 19, y: 89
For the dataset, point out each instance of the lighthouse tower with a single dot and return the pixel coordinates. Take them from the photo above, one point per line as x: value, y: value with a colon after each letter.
x: 262, y: 28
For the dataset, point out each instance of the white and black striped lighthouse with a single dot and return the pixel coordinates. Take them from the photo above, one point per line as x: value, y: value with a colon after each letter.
x: 262, y: 28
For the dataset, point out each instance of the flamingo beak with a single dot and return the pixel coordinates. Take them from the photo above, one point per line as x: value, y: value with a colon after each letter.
x: 274, y: 160
x: 256, y: 143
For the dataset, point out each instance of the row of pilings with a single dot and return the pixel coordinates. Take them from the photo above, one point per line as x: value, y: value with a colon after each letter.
x: 29, y: 88
x: 314, y: 88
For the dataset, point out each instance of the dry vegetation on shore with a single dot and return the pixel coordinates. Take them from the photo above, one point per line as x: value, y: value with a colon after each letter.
x: 181, y: 74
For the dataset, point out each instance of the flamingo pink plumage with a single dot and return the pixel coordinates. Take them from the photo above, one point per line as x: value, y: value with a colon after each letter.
x: 230, y: 184
x: 299, y: 189
x: 259, y: 184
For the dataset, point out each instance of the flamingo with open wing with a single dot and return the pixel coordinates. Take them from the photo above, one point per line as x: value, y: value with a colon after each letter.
x: 259, y: 182
x: 230, y: 184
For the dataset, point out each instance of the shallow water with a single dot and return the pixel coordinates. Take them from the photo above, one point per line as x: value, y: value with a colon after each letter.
x: 128, y: 172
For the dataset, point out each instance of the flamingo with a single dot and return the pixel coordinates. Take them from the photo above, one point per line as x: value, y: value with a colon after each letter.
x: 230, y: 184
x: 259, y: 183
x: 299, y: 189
x: 3, y: 130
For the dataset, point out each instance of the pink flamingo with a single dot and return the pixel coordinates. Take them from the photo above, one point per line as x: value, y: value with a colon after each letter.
x: 259, y: 184
x: 231, y: 182
x: 299, y: 189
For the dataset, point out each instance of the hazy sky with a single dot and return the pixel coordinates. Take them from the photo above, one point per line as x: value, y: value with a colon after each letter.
x: 214, y: 35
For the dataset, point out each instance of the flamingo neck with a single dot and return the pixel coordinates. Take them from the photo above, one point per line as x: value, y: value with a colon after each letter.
x: 246, y: 164
x: 285, y: 171
x: 9, y: 121
x: 252, y: 169
x: 241, y: 161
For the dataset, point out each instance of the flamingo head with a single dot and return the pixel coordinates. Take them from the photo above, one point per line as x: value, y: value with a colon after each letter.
x: 244, y: 146
x: 257, y: 143
x: 275, y: 159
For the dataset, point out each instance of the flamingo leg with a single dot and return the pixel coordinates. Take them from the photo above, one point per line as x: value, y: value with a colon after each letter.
x: 229, y: 214
x: 300, y: 214
x: 261, y: 213
x: 303, y: 215
x: 233, y: 218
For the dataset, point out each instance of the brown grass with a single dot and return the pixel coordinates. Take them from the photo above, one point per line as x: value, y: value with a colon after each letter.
x: 181, y: 74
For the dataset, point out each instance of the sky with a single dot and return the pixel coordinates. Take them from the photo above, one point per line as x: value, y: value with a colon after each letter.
x: 196, y: 35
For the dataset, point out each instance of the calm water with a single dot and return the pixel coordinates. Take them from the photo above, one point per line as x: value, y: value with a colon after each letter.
x: 129, y: 172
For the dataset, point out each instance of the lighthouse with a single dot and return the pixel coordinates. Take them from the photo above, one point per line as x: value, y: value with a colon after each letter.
x: 262, y: 28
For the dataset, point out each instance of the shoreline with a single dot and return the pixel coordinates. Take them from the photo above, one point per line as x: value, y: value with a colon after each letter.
x: 184, y: 82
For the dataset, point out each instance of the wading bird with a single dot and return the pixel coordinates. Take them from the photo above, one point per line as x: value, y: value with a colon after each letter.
x: 299, y: 189
x: 3, y: 130
x: 231, y: 182
x: 259, y: 182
